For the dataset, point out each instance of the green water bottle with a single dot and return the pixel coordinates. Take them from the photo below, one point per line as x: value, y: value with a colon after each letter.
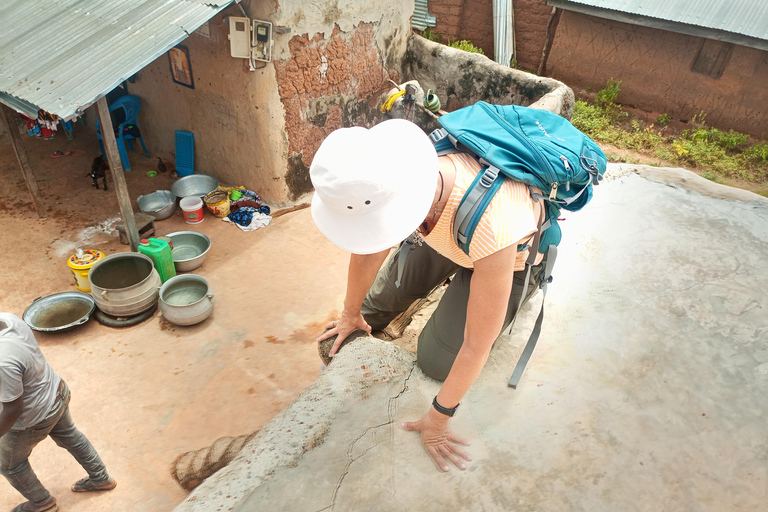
x: 160, y: 253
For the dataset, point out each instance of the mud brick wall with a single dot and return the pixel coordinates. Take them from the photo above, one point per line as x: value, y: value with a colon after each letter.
x: 465, y: 19
x: 448, y: 17
x: 327, y: 84
x: 654, y: 67
x: 531, y: 18
x: 477, y: 24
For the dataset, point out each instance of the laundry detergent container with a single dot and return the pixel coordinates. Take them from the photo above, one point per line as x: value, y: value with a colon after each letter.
x: 124, y: 284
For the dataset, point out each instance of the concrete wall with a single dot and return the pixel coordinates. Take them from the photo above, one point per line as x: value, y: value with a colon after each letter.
x: 460, y: 78
x: 655, y: 69
x: 261, y: 129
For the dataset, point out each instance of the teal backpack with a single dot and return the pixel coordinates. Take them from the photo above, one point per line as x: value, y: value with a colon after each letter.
x: 536, y: 147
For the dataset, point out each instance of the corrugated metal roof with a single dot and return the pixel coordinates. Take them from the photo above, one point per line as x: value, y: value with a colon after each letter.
x: 421, y: 18
x: 742, y: 22
x: 63, y: 55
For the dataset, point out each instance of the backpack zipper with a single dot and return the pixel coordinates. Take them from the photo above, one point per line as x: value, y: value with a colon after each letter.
x: 553, y: 183
x: 568, y: 171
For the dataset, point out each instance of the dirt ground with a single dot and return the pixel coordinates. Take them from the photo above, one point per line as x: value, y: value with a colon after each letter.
x: 145, y: 394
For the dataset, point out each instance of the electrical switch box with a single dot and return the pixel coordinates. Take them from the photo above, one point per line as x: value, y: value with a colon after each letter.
x: 261, y: 41
x: 240, y: 37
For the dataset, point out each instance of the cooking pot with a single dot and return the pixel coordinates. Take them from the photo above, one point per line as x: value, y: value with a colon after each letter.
x: 124, y: 284
x: 186, y: 299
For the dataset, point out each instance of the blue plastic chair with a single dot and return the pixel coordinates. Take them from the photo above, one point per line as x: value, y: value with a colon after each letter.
x: 130, y: 106
x: 185, y: 153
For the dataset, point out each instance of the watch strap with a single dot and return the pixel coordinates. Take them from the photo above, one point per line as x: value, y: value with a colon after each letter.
x: 444, y: 410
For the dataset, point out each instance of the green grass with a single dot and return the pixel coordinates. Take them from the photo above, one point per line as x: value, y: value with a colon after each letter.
x: 715, y: 153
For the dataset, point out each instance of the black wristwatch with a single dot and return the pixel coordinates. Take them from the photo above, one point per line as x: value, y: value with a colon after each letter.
x: 444, y: 410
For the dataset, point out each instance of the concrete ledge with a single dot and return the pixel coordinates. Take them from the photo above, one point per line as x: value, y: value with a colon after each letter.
x: 304, y: 425
x: 461, y: 78
x: 677, y: 176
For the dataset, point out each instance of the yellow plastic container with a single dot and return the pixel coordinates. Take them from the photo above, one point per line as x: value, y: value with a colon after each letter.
x: 81, y: 266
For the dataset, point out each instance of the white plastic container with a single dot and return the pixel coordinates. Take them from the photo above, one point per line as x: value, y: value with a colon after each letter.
x: 192, y: 207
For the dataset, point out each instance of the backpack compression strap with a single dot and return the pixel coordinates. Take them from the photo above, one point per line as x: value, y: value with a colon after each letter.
x: 528, y: 350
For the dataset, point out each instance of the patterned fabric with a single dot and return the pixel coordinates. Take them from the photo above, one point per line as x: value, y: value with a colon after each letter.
x: 244, y: 215
x: 510, y: 219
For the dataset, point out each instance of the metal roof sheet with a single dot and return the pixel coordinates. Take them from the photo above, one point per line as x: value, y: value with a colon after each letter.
x: 421, y: 18
x: 63, y: 55
x: 742, y: 22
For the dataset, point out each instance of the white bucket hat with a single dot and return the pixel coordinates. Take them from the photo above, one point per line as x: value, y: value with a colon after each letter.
x: 373, y: 187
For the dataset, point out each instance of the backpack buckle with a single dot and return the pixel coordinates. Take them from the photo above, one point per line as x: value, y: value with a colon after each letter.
x: 489, y: 176
x: 545, y: 281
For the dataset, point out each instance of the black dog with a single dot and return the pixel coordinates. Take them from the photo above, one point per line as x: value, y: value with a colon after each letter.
x: 99, y: 169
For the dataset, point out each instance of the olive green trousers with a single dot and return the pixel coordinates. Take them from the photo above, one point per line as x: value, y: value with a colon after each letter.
x: 425, y: 269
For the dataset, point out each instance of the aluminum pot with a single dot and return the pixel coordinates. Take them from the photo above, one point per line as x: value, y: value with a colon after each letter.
x: 189, y: 249
x: 124, y: 284
x: 59, y: 311
x: 186, y: 300
x: 160, y: 204
x: 194, y: 185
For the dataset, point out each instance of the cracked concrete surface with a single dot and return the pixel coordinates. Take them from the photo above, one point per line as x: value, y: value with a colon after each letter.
x: 647, y: 390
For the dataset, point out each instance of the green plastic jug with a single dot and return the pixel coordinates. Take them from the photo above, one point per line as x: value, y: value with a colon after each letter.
x: 160, y: 253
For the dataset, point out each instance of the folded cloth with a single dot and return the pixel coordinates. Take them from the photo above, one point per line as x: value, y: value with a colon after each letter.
x: 249, y: 218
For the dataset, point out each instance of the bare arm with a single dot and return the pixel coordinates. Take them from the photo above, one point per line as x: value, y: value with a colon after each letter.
x: 9, y: 414
x: 489, y: 293
x: 362, y: 273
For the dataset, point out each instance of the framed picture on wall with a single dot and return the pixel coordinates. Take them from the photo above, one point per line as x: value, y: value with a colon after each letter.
x: 181, y: 67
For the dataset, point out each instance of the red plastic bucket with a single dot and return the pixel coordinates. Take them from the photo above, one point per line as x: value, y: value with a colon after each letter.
x: 192, y: 207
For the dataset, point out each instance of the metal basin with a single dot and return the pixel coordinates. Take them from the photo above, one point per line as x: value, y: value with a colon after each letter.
x: 160, y: 204
x: 189, y: 249
x: 59, y: 311
x: 124, y: 284
x: 194, y: 185
x: 186, y: 300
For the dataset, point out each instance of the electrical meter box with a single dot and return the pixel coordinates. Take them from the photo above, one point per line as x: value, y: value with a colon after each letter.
x: 262, y: 33
x: 240, y: 37
x: 261, y: 41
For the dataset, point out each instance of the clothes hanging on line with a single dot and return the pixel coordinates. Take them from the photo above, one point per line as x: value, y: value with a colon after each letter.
x: 44, y: 127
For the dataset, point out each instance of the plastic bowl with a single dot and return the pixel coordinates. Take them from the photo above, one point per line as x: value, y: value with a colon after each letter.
x: 189, y: 249
x: 194, y: 185
x: 160, y: 204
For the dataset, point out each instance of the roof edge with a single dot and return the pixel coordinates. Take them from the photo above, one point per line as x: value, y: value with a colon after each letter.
x: 658, y: 23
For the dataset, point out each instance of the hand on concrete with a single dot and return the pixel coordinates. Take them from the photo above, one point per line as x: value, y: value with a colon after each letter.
x: 344, y: 326
x: 441, y: 444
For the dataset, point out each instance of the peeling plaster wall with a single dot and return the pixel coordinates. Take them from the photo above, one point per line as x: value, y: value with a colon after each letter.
x: 331, y: 69
x: 655, y: 69
x: 261, y: 129
x: 235, y: 114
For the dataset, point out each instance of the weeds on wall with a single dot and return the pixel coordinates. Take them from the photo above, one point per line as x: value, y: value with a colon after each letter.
x: 716, y: 154
x: 437, y: 36
x: 466, y: 46
x: 432, y: 35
